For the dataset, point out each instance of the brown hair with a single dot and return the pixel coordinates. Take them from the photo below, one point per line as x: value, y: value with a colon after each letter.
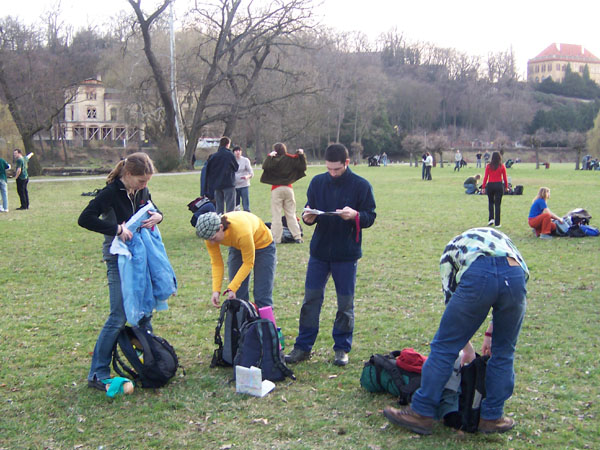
x: 496, y: 160
x: 224, y: 142
x: 280, y: 148
x: 136, y: 164
x: 225, y: 222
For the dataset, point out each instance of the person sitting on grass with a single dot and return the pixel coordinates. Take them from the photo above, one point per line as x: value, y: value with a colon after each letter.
x: 540, y: 217
x: 471, y: 184
x: 481, y: 270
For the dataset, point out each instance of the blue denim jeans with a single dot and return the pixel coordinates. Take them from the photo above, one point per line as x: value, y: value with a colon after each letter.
x: 488, y: 283
x: 112, y: 327
x: 265, y: 261
x: 225, y: 200
x: 4, y: 195
x: 242, y: 194
x: 317, y: 275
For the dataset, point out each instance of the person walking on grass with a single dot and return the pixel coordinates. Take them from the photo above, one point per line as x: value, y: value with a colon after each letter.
x: 4, y: 166
x: 457, y: 160
x: 428, y: 165
x: 335, y: 249
x: 495, y: 183
x: 540, y: 216
x: 280, y: 170
x: 125, y: 193
x: 21, y: 178
x: 251, y: 247
x: 481, y: 269
x: 220, y: 176
x: 242, y: 179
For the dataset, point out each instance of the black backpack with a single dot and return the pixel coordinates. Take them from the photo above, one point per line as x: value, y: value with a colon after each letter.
x: 381, y: 374
x: 234, y: 314
x: 153, y: 360
x: 472, y: 392
x: 259, y: 347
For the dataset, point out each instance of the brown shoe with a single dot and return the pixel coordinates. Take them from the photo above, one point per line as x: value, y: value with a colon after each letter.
x: 407, y: 418
x: 496, y: 426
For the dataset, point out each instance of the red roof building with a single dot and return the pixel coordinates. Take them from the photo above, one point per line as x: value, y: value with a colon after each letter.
x: 553, y: 61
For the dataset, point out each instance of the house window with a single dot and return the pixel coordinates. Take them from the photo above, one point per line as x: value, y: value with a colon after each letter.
x: 91, y: 112
x: 543, y: 67
x: 581, y: 69
x: 79, y: 132
x: 90, y: 95
x: 549, y: 67
x: 93, y: 133
x: 113, y: 114
x: 564, y: 68
x: 106, y: 133
x: 537, y: 69
x: 120, y: 133
x: 558, y: 67
x: 72, y: 113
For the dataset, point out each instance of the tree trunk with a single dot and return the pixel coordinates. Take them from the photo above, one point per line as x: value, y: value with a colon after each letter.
x: 579, y: 151
x: 537, y: 157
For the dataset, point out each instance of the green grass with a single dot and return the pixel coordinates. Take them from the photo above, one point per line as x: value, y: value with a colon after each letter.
x: 54, y: 301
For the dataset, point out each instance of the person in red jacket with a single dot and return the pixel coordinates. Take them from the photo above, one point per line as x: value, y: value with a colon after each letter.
x: 495, y: 183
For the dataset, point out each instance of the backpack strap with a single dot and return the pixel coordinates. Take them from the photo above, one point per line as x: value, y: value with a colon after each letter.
x: 275, y: 350
x: 384, y: 361
x: 217, y: 359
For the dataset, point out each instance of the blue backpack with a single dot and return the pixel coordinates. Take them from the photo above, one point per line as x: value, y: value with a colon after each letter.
x: 259, y: 347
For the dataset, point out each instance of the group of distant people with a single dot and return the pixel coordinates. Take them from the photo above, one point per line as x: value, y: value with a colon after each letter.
x: 340, y: 204
x: 21, y: 180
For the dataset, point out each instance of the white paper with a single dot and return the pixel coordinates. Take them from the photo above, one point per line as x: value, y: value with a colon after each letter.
x: 249, y: 381
x: 319, y: 212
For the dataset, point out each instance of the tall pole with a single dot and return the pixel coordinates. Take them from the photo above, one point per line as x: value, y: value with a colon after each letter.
x: 180, y: 138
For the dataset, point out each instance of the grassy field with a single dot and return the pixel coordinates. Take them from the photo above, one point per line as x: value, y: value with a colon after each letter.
x: 54, y: 301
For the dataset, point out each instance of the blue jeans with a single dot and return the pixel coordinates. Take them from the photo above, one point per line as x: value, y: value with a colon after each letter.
x: 265, y: 261
x: 4, y: 196
x: 242, y: 194
x: 225, y: 199
x: 470, y: 188
x: 317, y: 275
x: 114, y: 324
x: 488, y: 283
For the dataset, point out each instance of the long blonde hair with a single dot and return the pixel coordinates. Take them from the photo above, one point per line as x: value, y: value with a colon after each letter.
x: 136, y: 164
x: 544, y: 192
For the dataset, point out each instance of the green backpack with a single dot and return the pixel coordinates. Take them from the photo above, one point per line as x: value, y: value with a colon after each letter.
x: 381, y: 374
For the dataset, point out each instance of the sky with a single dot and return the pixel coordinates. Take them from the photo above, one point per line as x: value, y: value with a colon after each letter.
x: 475, y: 27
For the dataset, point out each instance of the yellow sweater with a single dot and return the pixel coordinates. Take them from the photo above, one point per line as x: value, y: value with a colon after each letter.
x: 247, y: 233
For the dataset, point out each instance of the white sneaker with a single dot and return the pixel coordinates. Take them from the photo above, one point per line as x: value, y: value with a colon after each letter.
x: 490, y: 223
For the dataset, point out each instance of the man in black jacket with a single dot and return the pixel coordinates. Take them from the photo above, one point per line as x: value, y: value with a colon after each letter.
x: 220, y: 172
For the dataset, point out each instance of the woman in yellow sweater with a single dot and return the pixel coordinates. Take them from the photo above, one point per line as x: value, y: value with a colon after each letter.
x: 251, y: 247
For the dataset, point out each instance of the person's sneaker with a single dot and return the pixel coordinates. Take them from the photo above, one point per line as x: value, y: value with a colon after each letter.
x: 409, y: 419
x: 299, y: 241
x: 500, y: 425
x: 498, y: 226
x: 340, y: 358
x: 95, y: 383
x: 490, y: 223
x: 534, y: 232
x: 545, y: 236
x: 297, y: 355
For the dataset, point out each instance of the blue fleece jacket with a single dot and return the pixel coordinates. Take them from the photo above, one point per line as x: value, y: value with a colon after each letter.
x: 335, y: 239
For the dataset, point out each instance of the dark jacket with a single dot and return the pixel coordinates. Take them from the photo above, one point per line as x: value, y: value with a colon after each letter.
x: 111, y: 207
x: 283, y: 169
x: 335, y: 239
x: 221, y: 168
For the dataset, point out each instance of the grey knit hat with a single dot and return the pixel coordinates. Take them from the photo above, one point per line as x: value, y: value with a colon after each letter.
x: 207, y: 225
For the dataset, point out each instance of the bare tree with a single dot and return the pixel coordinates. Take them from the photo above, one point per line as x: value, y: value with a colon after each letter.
x: 413, y: 144
x: 164, y: 91
x: 32, y: 63
x: 577, y: 141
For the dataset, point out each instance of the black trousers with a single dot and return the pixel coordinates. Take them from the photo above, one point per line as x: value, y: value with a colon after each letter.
x: 494, y: 192
x: 23, y: 193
